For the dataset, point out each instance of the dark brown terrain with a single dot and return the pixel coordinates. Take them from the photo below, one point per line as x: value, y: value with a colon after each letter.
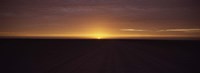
x: 99, y: 56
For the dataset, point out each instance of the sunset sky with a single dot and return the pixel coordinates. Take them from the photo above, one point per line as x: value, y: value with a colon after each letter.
x: 100, y: 18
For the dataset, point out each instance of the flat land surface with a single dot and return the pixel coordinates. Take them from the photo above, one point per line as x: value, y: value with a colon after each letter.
x: 99, y: 56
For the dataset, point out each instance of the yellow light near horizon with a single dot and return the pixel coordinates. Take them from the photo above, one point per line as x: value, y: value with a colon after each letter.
x: 99, y: 35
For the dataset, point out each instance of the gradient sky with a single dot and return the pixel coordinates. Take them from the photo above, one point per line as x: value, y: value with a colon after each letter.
x: 117, y: 17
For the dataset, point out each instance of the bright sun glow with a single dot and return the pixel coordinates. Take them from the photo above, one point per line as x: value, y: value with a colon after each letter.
x: 99, y: 35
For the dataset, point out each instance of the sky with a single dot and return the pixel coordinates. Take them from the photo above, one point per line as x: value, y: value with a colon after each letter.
x: 100, y: 18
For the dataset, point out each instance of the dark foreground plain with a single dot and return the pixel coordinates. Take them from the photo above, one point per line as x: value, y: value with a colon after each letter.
x: 99, y: 56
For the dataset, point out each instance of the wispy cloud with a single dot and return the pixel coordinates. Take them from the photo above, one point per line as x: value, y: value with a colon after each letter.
x: 180, y: 30
x: 131, y: 30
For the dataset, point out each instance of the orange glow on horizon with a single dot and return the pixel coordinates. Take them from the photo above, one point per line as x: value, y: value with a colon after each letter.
x: 100, y: 36
x: 100, y: 30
